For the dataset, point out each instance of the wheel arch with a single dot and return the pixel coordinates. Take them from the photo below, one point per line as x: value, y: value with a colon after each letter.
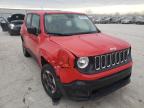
x: 44, y: 61
x: 22, y: 38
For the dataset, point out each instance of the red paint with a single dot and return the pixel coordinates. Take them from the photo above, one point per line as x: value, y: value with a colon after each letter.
x: 60, y: 52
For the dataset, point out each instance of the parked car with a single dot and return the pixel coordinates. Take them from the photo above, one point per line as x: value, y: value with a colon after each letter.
x: 139, y: 20
x: 116, y: 20
x: 97, y: 21
x: 104, y: 20
x: 76, y: 59
x: 13, y: 23
x: 128, y: 20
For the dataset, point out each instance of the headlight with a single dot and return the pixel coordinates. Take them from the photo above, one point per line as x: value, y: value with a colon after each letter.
x: 12, y: 26
x: 82, y: 62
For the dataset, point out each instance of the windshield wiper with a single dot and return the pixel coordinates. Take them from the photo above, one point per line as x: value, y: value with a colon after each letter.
x: 90, y: 32
x: 70, y: 34
x: 59, y: 34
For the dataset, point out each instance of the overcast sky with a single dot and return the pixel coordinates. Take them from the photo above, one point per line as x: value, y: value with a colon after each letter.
x: 96, y: 6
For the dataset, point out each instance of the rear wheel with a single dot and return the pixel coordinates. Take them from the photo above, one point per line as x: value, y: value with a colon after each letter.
x: 25, y: 52
x: 50, y: 83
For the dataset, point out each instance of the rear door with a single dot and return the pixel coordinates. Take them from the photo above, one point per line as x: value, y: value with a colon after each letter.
x: 25, y: 33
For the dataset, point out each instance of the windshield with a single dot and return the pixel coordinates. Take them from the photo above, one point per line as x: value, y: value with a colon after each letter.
x: 68, y: 24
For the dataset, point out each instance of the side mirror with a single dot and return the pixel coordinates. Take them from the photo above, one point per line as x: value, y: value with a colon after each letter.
x: 32, y: 30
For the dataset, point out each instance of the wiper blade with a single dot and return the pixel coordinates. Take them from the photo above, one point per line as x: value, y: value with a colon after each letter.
x: 89, y: 32
x: 70, y: 34
x: 85, y: 33
x: 57, y: 34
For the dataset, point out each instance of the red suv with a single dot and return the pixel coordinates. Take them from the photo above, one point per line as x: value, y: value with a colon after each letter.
x: 76, y: 59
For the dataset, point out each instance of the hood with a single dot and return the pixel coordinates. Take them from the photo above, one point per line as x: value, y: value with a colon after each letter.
x: 16, y: 17
x: 90, y: 44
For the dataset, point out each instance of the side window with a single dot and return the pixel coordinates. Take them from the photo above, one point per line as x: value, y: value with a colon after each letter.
x: 36, y: 22
x: 28, y: 20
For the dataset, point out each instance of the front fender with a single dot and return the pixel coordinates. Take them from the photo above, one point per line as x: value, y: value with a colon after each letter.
x: 61, y: 59
x: 48, y: 57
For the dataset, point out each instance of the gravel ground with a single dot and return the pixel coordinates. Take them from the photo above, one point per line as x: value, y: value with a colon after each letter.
x: 20, y: 85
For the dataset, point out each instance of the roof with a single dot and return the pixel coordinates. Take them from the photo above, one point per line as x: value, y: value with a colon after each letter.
x: 54, y: 12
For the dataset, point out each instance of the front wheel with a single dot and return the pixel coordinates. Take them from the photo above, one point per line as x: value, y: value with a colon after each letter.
x: 50, y: 82
x: 11, y: 33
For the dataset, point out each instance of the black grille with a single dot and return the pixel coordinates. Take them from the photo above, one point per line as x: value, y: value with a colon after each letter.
x: 111, y: 60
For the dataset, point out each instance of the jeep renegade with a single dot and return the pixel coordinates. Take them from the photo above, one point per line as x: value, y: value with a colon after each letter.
x: 76, y: 59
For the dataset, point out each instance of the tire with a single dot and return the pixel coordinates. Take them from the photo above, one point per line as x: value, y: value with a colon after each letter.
x: 50, y: 82
x: 25, y: 52
x: 11, y: 33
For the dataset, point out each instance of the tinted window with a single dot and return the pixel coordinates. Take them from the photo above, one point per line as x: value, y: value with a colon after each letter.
x: 36, y: 21
x: 28, y: 20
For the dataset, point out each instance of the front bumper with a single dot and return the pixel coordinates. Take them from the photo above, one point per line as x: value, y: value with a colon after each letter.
x: 84, y: 90
x: 16, y: 30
